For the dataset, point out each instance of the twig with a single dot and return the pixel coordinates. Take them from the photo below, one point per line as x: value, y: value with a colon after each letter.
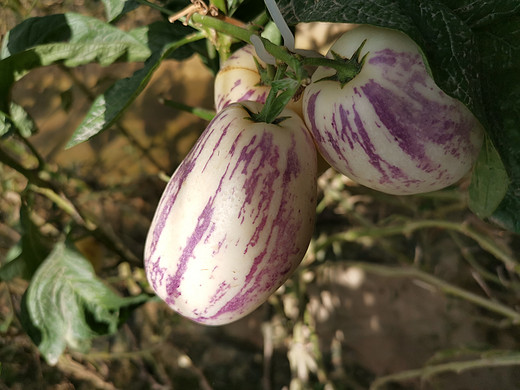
x: 148, y: 354
x: 472, y: 261
x: 79, y: 371
x: 447, y: 288
x: 36, y: 154
x: 30, y: 174
x: 118, y: 355
x: 63, y: 203
x: 408, y: 227
x: 197, y: 111
x: 267, y: 332
x: 506, y: 359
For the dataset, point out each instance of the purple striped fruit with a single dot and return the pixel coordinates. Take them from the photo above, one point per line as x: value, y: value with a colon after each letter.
x: 391, y: 127
x: 238, y: 80
x: 236, y: 217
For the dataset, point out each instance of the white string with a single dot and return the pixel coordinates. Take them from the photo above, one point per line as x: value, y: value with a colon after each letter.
x: 260, y: 50
x: 276, y: 15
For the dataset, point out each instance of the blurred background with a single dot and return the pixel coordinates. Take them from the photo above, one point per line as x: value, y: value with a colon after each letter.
x: 388, y: 285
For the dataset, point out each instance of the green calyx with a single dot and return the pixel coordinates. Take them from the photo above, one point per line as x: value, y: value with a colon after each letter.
x: 282, y: 91
x: 346, y: 68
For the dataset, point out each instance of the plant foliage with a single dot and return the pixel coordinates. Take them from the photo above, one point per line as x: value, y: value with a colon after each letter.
x: 66, y: 304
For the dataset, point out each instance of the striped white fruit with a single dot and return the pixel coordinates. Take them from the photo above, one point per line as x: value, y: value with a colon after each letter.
x: 236, y: 217
x: 238, y: 80
x: 390, y: 128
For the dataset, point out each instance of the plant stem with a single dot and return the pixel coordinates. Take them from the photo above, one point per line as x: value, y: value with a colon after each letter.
x: 295, y: 61
x: 30, y: 174
x: 468, y: 256
x: 505, y: 359
x: 200, y: 112
x: 407, y: 228
x: 112, y: 355
x: 447, y: 288
x: 280, y: 52
x: 64, y: 204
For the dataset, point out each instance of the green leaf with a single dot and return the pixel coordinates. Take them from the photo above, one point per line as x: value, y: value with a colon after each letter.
x: 220, y: 4
x: 499, y: 42
x: 30, y: 251
x: 71, y: 38
x: 489, y: 182
x: 157, y: 35
x: 506, y: 137
x: 117, y: 8
x: 480, y: 14
x: 23, y: 121
x: 6, y: 124
x: 86, y: 39
x: 17, y: 120
x: 499, y: 45
x: 271, y: 33
x: 67, y: 305
x: 108, y: 107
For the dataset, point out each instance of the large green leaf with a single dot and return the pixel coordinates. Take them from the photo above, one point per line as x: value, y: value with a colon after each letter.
x: 499, y: 43
x: 116, y: 8
x: 67, y: 305
x: 506, y: 135
x: 482, y: 13
x: 157, y: 35
x: 72, y: 38
x: 473, y: 49
x: 108, y: 107
x: 87, y: 39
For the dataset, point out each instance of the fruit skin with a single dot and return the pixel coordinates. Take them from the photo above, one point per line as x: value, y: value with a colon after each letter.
x: 238, y: 80
x: 390, y: 128
x: 236, y: 217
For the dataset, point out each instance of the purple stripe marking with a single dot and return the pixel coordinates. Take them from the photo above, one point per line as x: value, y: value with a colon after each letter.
x: 318, y: 137
x: 362, y: 138
x: 173, y: 187
x: 411, y: 118
x: 257, y: 95
x: 258, y: 161
x: 236, y: 84
x: 426, y: 120
x: 204, y: 222
x: 155, y: 272
x: 264, y: 276
x: 216, y: 148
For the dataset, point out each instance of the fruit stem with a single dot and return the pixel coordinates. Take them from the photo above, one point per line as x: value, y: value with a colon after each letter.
x: 346, y: 68
x: 279, y: 52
